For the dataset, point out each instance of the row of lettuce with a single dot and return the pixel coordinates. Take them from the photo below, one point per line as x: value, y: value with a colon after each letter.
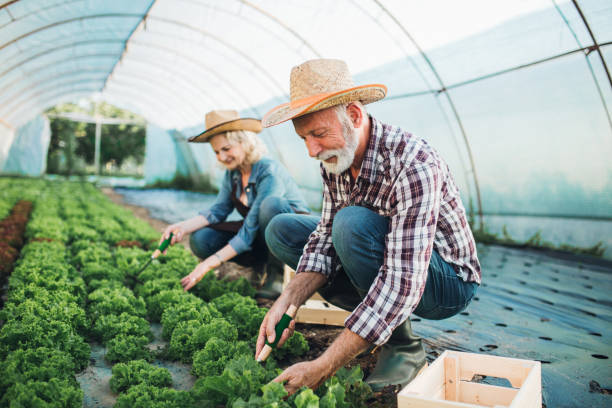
x: 77, y: 281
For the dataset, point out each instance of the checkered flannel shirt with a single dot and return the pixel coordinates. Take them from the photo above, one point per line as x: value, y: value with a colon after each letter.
x: 404, y: 179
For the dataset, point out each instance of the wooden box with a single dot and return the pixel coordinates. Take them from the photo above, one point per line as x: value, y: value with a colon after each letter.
x: 447, y: 383
x: 316, y: 310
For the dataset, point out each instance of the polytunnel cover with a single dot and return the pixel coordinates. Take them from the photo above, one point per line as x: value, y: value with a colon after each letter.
x: 516, y: 95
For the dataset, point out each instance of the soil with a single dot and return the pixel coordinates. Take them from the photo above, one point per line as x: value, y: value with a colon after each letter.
x: 319, y: 336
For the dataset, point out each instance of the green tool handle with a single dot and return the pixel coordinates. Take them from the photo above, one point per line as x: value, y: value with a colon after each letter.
x: 279, y: 329
x: 164, y: 245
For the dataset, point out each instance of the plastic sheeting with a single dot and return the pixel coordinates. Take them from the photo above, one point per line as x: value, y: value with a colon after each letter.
x: 28, y: 151
x: 515, y: 94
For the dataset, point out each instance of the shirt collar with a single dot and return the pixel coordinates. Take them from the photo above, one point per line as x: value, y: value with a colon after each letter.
x: 370, y: 158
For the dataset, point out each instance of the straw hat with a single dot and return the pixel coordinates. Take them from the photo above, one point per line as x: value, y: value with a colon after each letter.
x: 221, y: 121
x: 319, y: 84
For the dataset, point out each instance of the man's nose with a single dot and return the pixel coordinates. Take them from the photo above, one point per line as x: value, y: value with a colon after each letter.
x: 314, y: 149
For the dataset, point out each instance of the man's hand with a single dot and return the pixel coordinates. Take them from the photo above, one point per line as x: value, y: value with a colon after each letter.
x: 196, y: 275
x: 268, y: 325
x: 309, y: 373
x: 313, y: 373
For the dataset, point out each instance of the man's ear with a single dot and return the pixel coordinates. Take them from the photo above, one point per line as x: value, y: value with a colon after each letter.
x: 355, y: 114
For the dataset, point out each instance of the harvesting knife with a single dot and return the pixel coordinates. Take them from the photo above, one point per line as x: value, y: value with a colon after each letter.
x: 156, y: 253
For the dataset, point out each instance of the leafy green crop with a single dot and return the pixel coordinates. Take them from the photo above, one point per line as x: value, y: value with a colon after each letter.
x: 55, y: 393
x: 126, y: 375
x: 182, y: 312
x: 35, y: 364
x: 109, y: 326
x: 211, y: 360
x: 33, y: 332
x: 241, y: 377
x: 124, y: 348
x: 106, y: 301
x: 149, y: 396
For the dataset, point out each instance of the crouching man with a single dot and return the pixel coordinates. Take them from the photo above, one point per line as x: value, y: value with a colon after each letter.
x: 392, y: 240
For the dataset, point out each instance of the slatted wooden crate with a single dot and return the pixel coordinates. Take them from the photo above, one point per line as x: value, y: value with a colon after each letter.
x: 447, y: 383
x: 316, y: 310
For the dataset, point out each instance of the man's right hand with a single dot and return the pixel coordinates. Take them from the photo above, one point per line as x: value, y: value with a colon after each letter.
x: 268, y: 325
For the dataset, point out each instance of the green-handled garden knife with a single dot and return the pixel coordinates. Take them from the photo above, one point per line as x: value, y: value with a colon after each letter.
x: 156, y: 253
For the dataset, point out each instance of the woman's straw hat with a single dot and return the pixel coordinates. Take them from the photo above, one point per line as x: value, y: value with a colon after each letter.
x: 221, y: 121
x: 319, y: 84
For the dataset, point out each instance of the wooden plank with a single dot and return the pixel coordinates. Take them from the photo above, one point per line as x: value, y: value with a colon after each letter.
x: 321, y: 312
x: 451, y: 378
x: 530, y: 394
x: 513, y: 369
x: 486, y: 394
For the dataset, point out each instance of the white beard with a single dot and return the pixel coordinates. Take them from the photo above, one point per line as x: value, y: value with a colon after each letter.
x: 345, y: 155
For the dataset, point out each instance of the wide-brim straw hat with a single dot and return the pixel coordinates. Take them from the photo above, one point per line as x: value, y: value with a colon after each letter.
x: 221, y: 121
x: 320, y: 84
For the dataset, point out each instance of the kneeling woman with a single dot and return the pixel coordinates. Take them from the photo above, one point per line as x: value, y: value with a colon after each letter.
x: 258, y: 188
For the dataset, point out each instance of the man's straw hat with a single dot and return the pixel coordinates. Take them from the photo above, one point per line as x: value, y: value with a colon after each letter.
x: 319, y: 84
x: 221, y: 121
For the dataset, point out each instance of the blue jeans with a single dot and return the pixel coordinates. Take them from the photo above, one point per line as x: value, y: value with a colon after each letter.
x: 206, y: 241
x: 358, y: 236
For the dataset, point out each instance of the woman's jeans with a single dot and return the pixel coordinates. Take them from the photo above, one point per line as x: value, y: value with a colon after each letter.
x: 358, y: 236
x: 206, y: 241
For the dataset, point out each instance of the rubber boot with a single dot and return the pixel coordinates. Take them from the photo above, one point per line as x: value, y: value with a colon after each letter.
x: 273, y: 279
x: 399, y: 360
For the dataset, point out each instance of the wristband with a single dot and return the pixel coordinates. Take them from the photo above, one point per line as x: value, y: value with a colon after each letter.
x: 219, y: 258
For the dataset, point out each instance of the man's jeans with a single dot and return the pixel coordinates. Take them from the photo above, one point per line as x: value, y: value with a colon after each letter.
x: 206, y: 241
x: 358, y: 236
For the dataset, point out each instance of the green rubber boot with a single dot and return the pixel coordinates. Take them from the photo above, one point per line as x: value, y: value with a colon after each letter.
x: 273, y: 279
x: 399, y: 360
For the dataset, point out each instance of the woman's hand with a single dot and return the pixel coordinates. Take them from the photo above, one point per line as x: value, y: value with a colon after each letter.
x: 178, y: 232
x: 197, y: 274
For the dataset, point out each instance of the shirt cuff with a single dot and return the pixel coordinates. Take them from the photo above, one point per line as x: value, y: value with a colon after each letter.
x: 322, y: 264
x: 369, y: 325
x: 209, y: 216
x: 238, y: 244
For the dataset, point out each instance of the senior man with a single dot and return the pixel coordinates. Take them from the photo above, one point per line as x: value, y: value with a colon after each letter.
x: 393, y: 237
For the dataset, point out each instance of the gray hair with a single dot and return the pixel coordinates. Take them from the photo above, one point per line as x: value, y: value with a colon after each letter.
x: 343, y: 117
x: 253, y: 146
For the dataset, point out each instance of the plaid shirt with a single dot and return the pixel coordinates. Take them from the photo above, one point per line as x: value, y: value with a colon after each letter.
x: 406, y: 180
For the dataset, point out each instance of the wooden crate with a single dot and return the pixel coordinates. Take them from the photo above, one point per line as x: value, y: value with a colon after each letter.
x: 447, y: 383
x: 316, y: 310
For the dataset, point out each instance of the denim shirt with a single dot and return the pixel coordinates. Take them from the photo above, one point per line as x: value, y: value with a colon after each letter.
x: 268, y: 178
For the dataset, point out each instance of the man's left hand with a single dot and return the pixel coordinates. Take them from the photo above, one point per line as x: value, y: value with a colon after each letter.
x: 309, y: 373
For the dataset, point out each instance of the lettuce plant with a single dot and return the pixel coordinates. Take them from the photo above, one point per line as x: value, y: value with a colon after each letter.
x: 126, y: 375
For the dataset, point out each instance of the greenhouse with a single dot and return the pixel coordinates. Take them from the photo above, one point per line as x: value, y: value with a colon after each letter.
x: 124, y: 121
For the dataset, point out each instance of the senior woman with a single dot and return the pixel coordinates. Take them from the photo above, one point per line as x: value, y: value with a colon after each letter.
x: 257, y: 187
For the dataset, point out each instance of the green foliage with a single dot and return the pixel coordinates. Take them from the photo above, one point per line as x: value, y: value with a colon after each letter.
x: 55, y: 393
x: 99, y: 254
x: 182, y: 312
x: 48, y: 309
x: 163, y: 300
x: 296, y: 345
x: 33, y: 332
x: 109, y: 326
x: 241, y: 377
x: 94, y: 270
x: 126, y: 375
x: 306, y: 399
x: 35, y: 364
x: 273, y: 397
x: 72, y: 143
x: 210, y: 287
x: 106, y: 301
x: 149, y: 396
x: 124, y: 348
x: 154, y: 286
x: 212, y: 359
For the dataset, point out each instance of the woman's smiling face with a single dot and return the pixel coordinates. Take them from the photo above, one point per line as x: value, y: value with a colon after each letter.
x: 230, y: 155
